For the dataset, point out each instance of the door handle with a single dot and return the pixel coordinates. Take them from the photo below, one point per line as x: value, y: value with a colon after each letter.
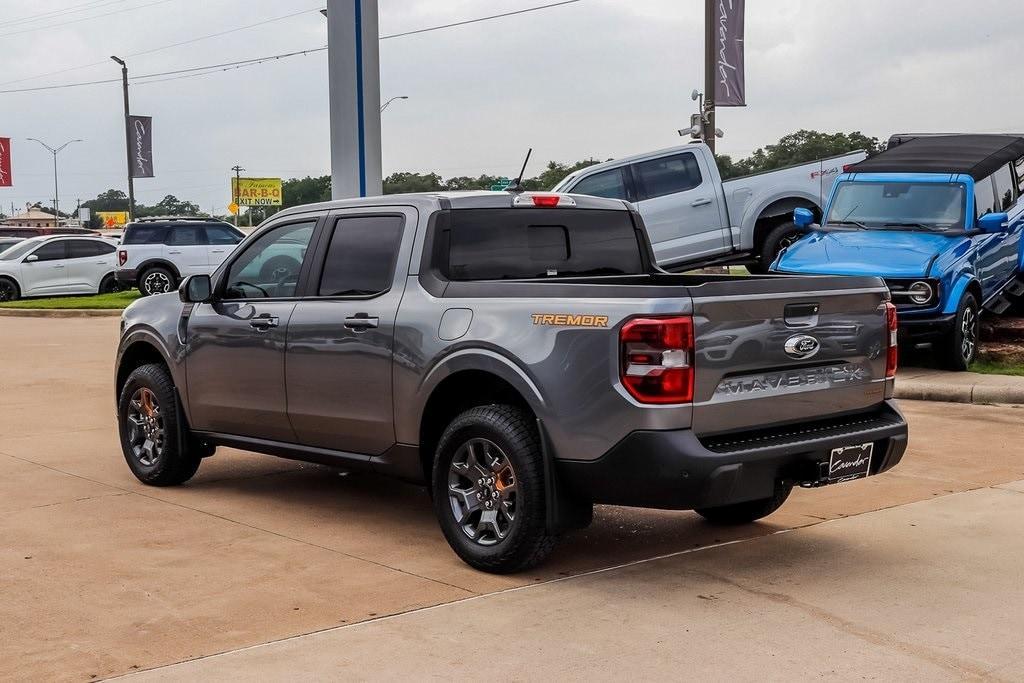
x: 60, y: 266
x: 703, y: 201
x: 361, y: 322
x: 173, y: 252
x: 263, y: 323
x: 216, y: 251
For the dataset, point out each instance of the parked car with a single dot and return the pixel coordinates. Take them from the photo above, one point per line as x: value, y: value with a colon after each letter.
x: 693, y: 218
x: 24, y: 232
x: 523, y: 355
x: 57, y: 265
x: 8, y: 242
x: 940, y: 218
x: 156, y: 253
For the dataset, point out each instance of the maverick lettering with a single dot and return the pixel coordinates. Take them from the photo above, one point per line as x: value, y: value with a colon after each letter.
x: 827, y: 376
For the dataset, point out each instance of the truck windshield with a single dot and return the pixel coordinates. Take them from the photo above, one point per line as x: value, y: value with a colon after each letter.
x: 898, y: 206
x: 524, y: 243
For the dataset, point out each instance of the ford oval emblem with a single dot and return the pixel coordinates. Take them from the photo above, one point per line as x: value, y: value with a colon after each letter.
x: 802, y: 346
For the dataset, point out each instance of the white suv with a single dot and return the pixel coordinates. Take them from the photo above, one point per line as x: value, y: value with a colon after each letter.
x: 157, y: 253
x: 57, y: 265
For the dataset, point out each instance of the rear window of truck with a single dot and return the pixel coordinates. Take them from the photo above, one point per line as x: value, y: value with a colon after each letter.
x: 528, y: 243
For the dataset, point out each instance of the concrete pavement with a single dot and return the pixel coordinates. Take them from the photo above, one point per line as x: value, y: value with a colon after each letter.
x: 924, y: 384
x: 102, y: 576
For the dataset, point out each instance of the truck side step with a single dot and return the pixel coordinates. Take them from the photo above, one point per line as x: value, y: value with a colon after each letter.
x: 1002, y: 301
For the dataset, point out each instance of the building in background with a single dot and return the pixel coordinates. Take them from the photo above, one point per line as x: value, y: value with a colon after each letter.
x: 31, y: 217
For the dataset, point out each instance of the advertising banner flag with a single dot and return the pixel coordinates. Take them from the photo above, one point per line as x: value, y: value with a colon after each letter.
x: 5, y: 162
x: 730, y: 82
x: 256, y: 191
x: 140, y: 135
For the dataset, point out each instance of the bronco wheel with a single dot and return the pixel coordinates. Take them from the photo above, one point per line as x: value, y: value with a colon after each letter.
x: 488, y: 490
x: 149, y: 429
x: 156, y: 281
x: 958, y: 352
x: 8, y: 290
x: 749, y: 511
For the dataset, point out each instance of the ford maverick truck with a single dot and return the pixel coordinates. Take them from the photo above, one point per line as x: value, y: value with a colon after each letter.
x: 940, y: 218
x: 521, y: 355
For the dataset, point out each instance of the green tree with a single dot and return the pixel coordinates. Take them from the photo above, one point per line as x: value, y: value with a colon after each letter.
x: 169, y: 206
x: 398, y: 183
x: 554, y: 172
x: 308, y: 190
x: 797, y: 148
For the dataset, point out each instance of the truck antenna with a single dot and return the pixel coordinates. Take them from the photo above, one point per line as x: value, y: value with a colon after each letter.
x: 517, y: 184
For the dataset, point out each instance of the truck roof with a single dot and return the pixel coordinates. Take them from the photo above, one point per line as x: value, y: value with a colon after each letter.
x: 976, y: 155
x: 468, y: 199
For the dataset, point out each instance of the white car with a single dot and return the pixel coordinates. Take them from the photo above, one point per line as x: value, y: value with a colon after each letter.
x: 57, y: 265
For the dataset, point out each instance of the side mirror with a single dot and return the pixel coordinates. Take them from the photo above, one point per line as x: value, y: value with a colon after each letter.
x: 803, y: 218
x: 31, y: 258
x: 993, y: 222
x: 196, y: 289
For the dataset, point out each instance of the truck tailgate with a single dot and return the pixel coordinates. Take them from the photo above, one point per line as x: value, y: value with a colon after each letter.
x: 779, y: 350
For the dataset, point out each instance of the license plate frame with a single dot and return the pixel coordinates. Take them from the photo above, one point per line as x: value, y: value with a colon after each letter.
x: 847, y: 463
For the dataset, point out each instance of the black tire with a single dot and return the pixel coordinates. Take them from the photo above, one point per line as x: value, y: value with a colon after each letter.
x: 9, y: 290
x: 277, y: 268
x: 959, y: 350
x: 109, y: 285
x: 749, y: 511
x: 157, y: 280
x: 513, y: 433
x: 167, y: 463
x: 780, y: 237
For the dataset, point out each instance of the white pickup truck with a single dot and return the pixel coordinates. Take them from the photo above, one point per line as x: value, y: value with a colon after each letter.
x: 692, y: 216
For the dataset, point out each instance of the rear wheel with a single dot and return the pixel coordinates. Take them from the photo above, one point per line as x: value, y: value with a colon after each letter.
x: 156, y: 451
x: 749, y: 511
x: 157, y: 280
x: 959, y: 350
x: 109, y: 285
x: 780, y: 237
x: 9, y: 290
x: 488, y: 487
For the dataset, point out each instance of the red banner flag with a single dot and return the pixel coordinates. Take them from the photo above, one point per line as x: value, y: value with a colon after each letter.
x: 5, y: 162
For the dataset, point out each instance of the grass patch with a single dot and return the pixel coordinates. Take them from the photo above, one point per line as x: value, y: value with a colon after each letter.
x: 998, y: 367
x: 107, y: 301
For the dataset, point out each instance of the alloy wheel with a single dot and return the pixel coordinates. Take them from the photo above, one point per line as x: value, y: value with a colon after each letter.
x: 482, y: 491
x: 7, y: 291
x: 157, y: 283
x: 968, y: 333
x: 146, y: 436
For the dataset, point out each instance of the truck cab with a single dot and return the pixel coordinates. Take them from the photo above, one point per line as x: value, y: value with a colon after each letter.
x: 940, y: 219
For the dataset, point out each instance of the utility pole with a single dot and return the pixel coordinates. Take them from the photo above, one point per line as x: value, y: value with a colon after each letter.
x: 54, y: 152
x: 709, y: 75
x: 234, y: 199
x: 127, y: 137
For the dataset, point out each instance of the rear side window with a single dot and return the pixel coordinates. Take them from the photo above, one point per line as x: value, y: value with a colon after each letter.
x: 604, y: 184
x: 185, y: 235
x: 221, y: 234
x: 668, y: 175
x: 495, y: 244
x: 1006, y: 192
x: 87, y: 248
x: 144, y: 234
x: 361, y: 256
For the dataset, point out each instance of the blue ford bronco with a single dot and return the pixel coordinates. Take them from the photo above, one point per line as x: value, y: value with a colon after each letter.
x: 939, y: 217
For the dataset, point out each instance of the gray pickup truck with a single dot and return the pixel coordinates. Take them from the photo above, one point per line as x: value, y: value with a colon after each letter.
x: 522, y: 355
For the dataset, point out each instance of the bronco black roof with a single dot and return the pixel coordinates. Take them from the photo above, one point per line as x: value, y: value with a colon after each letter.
x: 976, y: 155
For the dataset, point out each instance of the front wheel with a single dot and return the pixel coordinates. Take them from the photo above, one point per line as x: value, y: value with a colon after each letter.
x: 488, y: 486
x: 9, y: 290
x: 958, y: 351
x: 749, y: 511
x: 154, y: 445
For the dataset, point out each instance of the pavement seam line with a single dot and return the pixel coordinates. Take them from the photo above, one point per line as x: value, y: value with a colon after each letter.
x: 248, y: 526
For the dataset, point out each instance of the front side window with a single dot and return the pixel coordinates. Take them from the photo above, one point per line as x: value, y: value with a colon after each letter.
x: 221, y: 234
x: 897, y: 206
x: 269, y: 267
x: 668, y: 175
x: 361, y: 257
x: 51, y: 251
x: 984, y: 197
x: 604, y: 184
x: 1006, y: 192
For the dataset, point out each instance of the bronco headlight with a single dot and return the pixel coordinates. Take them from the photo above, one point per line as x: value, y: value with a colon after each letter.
x: 920, y: 292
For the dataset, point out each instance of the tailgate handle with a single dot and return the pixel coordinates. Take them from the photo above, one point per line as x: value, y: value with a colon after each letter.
x: 801, y: 315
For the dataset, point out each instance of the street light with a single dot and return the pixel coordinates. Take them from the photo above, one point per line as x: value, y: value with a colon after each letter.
x: 127, y: 136
x: 397, y: 97
x: 56, y: 195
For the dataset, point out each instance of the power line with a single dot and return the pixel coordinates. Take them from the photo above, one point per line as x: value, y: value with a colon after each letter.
x: 58, y: 12
x: 227, y: 66
x: 479, y: 19
x: 81, y: 19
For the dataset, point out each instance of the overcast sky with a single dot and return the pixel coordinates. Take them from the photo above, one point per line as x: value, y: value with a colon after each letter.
x: 600, y: 78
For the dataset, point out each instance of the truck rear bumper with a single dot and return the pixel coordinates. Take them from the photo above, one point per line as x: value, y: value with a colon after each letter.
x: 677, y: 470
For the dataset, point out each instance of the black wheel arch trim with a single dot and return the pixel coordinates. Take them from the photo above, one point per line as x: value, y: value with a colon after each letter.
x: 157, y: 262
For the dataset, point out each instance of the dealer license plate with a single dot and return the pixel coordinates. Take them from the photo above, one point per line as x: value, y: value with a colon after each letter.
x: 850, y: 462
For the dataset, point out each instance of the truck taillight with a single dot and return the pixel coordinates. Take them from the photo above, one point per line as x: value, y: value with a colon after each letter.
x: 892, y: 352
x: 122, y: 257
x: 657, y: 359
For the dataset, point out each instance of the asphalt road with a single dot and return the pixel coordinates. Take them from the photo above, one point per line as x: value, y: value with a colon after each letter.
x: 267, y: 565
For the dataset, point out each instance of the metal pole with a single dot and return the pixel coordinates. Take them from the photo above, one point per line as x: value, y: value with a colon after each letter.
x: 127, y: 137
x: 234, y: 199
x: 56, y: 194
x: 709, y: 74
